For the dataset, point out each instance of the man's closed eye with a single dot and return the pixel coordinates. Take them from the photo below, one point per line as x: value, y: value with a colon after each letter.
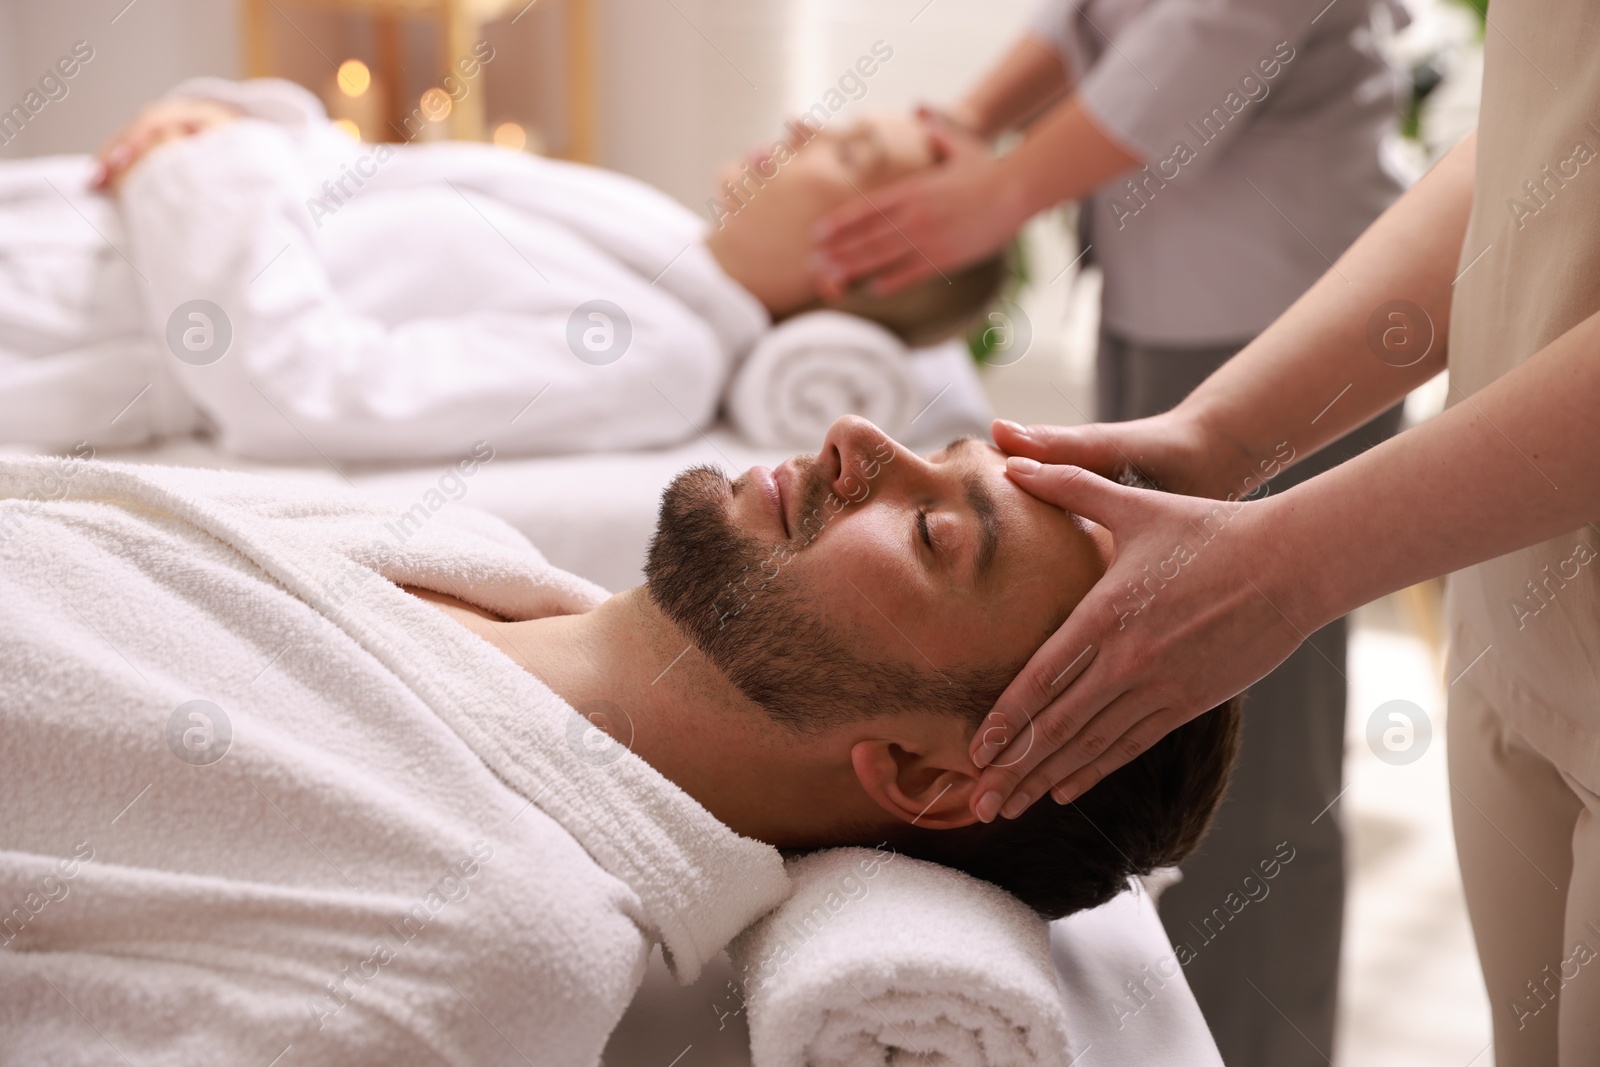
x: 922, y: 530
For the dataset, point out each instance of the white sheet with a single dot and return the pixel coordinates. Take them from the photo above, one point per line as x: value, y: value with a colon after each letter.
x: 1126, y: 995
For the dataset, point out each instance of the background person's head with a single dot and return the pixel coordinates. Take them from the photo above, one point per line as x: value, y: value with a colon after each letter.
x: 766, y: 204
x: 873, y: 604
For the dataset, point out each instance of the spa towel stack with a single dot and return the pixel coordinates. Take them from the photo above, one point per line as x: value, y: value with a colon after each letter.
x: 879, y: 958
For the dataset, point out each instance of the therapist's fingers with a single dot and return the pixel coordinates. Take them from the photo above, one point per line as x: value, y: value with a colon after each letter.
x: 1170, y: 449
x: 951, y: 142
x: 1077, y: 490
x: 111, y: 161
x: 850, y: 220
x: 910, y: 270
x: 1016, y: 735
x: 1090, y: 447
x: 1065, y: 777
x: 1029, y: 778
x: 877, y: 239
x: 1061, y: 716
x: 864, y: 252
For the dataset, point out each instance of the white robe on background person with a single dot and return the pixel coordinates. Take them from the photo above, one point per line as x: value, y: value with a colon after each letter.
x: 420, y: 308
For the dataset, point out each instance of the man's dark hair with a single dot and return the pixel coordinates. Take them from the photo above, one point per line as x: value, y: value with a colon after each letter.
x: 1151, y: 812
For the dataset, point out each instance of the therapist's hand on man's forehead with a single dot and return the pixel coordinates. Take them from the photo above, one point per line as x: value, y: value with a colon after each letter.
x: 1110, y: 682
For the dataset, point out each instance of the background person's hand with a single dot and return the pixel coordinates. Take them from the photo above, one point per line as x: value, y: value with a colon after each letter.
x: 156, y: 124
x: 1196, y: 605
x: 939, y: 220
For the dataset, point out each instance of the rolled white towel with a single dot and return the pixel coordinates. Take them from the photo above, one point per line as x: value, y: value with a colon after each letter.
x: 879, y: 958
x: 807, y: 371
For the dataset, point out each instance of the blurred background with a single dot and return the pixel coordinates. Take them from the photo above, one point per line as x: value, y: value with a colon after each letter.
x: 665, y: 90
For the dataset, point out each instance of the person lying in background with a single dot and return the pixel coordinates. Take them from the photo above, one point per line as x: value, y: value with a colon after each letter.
x: 368, y: 799
x: 249, y: 268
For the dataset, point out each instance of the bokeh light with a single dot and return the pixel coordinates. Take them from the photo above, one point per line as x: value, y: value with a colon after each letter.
x: 348, y: 128
x: 511, y: 135
x: 436, y: 105
x: 354, y: 77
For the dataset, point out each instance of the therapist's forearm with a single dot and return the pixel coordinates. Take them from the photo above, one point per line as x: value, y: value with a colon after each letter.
x: 1064, y: 156
x: 1312, y: 375
x: 1029, y: 77
x: 1512, y: 465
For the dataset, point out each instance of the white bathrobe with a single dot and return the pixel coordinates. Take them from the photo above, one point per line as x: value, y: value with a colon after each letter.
x: 385, y: 302
x: 409, y: 851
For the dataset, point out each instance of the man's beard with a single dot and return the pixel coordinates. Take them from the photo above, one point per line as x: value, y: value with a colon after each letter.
x: 739, y: 601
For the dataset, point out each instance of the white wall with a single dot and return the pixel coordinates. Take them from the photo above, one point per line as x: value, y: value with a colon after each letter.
x: 152, y: 45
x: 687, y: 84
x: 940, y: 47
x: 8, y: 40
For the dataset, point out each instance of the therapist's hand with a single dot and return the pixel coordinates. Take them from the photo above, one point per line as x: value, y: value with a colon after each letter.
x: 1198, y: 603
x: 156, y: 124
x: 939, y: 220
x: 1172, y: 450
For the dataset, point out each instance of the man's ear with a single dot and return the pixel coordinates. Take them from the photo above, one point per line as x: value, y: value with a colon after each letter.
x: 931, y: 790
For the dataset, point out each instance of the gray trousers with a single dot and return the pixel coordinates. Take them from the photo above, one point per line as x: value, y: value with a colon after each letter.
x: 1262, y: 953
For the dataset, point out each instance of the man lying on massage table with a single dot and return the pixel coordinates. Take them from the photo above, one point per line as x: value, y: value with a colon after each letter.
x: 275, y: 782
x: 387, y: 302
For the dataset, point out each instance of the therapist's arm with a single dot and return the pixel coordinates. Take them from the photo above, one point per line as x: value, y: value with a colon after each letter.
x: 1322, y: 369
x: 1512, y: 465
x: 1029, y: 77
x: 1092, y: 696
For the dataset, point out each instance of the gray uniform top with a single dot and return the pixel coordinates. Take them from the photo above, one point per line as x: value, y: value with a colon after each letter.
x: 1259, y: 124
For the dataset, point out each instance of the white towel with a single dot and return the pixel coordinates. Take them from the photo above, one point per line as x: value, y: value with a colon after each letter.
x: 879, y: 958
x: 808, y: 370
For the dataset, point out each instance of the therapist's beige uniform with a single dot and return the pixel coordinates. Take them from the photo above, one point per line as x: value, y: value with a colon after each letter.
x: 1524, y: 732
